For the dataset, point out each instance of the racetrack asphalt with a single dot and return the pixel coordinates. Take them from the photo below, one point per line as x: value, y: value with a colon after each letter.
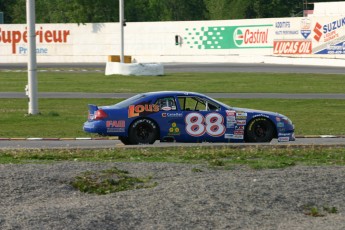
x: 185, y: 67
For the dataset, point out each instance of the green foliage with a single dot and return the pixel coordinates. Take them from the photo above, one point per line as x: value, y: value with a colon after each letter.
x: 109, y: 181
x: 83, y: 11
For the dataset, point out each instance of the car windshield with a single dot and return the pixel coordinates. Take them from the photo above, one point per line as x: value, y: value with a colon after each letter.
x: 129, y: 101
x: 218, y: 102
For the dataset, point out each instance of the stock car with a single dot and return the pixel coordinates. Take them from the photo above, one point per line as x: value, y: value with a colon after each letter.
x: 174, y: 116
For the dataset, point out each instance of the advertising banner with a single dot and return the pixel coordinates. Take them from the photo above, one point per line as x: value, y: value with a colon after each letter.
x: 288, y: 37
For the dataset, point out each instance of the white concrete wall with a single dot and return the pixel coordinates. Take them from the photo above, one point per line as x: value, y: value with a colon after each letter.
x: 256, y: 40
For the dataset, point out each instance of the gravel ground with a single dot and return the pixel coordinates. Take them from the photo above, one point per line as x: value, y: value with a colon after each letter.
x: 38, y: 196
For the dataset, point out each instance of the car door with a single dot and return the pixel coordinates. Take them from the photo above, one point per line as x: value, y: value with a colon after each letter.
x: 203, y: 120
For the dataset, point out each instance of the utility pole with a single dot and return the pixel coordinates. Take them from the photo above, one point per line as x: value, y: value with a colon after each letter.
x: 122, y: 24
x: 32, y: 62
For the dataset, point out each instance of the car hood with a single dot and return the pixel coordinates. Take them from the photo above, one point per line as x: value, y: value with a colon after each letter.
x: 254, y: 111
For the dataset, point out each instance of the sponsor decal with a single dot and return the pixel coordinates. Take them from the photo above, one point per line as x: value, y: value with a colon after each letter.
x: 281, y: 129
x: 241, y: 122
x: 24, y: 50
x: 230, y: 125
x: 284, y: 134
x: 174, y: 130
x: 231, y: 113
x: 115, y: 130
x: 278, y: 119
x: 115, y: 126
x: 229, y: 37
x: 280, y: 124
x: 14, y: 37
x: 166, y: 108
x: 305, y: 27
x: 317, y: 31
x: 338, y: 48
x: 115, y: 123
x: 239, y: 127
x: 328, y: 31
x: 292, y: 47
x: 241, y: 114
x: 284, y: 25
x: 250, y: 36
x: 233, y: 136
x: 231, y: 119
x: 283, y: 139
x: 238, y: 132
x: 228, y: 136
x: 172, y: 115
x: 137, y: 110
x: 241, y: 117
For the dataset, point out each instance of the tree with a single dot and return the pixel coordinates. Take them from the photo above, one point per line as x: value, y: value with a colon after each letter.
x: 275, y: 8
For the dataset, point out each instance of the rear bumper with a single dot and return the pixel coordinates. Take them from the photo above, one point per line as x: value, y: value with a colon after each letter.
x: 94, y: 127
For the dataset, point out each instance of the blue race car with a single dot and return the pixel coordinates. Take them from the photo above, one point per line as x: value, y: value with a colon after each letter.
x: 171, y: 116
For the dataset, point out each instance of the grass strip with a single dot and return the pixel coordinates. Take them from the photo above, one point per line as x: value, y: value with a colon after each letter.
x: 198, y: 82
x: 217, y: 156
x: 65, y: 117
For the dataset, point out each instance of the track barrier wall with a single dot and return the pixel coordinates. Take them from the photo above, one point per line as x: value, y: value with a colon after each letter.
x: 249, y: 41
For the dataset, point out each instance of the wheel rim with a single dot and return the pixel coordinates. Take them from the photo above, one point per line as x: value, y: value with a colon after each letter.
x: 260, y: 130
x: 143, y: 132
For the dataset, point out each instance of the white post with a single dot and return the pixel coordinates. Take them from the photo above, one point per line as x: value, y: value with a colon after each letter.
x: 122, y: 21
x: 32, y: 63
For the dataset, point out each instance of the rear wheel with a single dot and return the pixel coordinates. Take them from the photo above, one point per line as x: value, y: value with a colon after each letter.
x: 125, y: 140
x: 143, y: 131
x: 259, y: 130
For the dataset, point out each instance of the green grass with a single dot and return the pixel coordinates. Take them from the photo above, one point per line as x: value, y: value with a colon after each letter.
x: 221, y: 157
x: 65, y: 117
x: 198, y: 82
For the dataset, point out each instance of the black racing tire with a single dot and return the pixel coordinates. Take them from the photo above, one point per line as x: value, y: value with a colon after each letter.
x: 124, y: 140
x: 143, y: 131
x: 259, y: 129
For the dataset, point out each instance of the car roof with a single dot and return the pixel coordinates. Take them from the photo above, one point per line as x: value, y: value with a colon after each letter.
x: 173, y: 93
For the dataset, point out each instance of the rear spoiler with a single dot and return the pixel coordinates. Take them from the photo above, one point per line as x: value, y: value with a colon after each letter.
x: 92, y: 110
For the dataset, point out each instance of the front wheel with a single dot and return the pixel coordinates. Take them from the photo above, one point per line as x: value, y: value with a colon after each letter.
x: 259, y: 130
x: 143, y: 131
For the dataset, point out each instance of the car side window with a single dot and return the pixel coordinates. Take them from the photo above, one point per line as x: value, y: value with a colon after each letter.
x: 196, y: 104
x: 166, y: 103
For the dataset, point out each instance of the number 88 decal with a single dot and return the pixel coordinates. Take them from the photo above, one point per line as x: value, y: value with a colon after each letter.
x: 212, y: 124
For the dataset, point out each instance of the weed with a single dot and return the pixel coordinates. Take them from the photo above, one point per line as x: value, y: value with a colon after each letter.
x: 314, y: 211
x: 109, y: 181
x: 331, y: 210
x: 53, y: 114
x: 216, y: 162
x: 196, y: 170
